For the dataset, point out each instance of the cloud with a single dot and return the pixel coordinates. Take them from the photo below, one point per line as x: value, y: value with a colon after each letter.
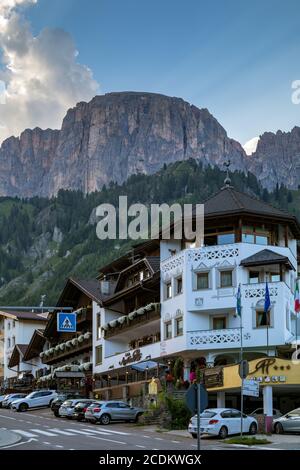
x: 251, y: 145
x: 41, y: 74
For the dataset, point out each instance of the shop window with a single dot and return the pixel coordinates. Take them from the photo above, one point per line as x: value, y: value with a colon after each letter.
x: 262, y: 318
x: 226, y: 278
x: 179, y: 287
x: 202, y: 281
x: 219, y: 323
x: 168, y: 330
x: 179, y: 327
x: 98, y: 355
x: 98, y: 325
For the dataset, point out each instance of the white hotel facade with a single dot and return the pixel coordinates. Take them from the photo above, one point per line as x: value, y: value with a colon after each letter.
x: 192, y: 314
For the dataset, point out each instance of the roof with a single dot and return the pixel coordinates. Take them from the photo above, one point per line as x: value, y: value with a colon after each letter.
x: 90, y: 287
x: 154, y: 263
x: 266, y: 257
x: 25, y: 315
x: 35, y: 345
x: 15, y: 358
x: 229, y: 201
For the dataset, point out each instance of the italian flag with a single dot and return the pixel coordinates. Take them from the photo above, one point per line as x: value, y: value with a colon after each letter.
x: 297, y: 298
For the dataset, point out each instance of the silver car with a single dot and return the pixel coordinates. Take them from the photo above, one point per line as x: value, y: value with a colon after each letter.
x: 289, y: 422
x: 105, y: 412
x: 6, y: 403
x: 67, y: 409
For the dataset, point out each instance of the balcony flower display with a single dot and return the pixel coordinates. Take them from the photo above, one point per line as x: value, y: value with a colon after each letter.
x: 80, y: 339
x: 74, y: 341
x: 62, y: 346
x: 69, y: 344
x: 87, y: 335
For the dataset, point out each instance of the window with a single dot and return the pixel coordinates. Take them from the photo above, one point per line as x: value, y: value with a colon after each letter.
x: 247, y: 238
x: 178, y: 327
x: 14, y: 323
x: 8, y: 325
x: 262, y: 319
x: 98, y: 354
x: 8, y: 342
x: 258, y: 235
x: 219, y: 323
x: 202, y: 281
x: 225, y: 238
x: 261, y: 240
x: 274, y: 277
x: 13, y: 341
x: 168, y: 330
x: 253, y: 277
x: 98, y: 325
x: 226, y: 279
x: 179, y: 286
x: 168, y: 290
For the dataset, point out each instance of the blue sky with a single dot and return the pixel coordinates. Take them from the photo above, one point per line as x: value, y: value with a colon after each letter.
x: 237, y: 58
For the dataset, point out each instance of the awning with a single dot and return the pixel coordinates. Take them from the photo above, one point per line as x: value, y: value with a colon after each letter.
x: 147, y: 365
x: 67, y: 375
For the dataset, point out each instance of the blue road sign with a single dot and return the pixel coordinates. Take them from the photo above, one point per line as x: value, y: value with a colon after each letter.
x: 66, y: 322
x: 191, y: 398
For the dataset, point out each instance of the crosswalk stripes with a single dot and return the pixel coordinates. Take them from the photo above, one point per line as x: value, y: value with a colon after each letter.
x: 56, y: 432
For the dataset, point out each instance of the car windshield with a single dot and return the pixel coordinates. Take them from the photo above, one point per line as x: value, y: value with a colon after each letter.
x: 208, y: 414
x: 31, y: 395
x: 67, y: 403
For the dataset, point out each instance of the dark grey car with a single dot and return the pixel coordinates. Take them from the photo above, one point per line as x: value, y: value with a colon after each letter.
x: 289, y: 422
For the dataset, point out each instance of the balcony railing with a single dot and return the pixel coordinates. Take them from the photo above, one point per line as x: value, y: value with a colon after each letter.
x: 139, y: 317
x: 67, y: 349
x: 203, y: 339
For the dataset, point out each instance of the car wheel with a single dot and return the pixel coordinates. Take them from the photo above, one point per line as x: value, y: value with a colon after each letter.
x: 105, y: 419
x: 50, y: 403
x: 253, y: 428
x: 137, y: 418
x: 56, y: 414
x: 223, y: 433
x: 194, y: 435
x: 279, y: 428
x: 23, y: 407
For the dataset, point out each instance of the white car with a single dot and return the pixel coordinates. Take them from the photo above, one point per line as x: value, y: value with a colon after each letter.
x: 222, y: 422
x: 35, y: 399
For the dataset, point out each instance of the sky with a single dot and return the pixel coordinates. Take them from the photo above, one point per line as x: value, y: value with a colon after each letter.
x: 236, y: 58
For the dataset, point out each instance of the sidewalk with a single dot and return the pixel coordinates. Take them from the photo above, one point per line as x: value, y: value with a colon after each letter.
x: 8, y: 438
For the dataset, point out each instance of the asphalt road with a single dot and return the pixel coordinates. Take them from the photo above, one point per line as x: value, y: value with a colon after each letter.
x: 40, y: 430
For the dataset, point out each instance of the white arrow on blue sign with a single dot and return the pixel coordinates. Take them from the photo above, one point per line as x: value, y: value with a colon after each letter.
x: 66, y: 322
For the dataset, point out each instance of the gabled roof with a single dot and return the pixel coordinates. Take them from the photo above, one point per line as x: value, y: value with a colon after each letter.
x: 264, y: 257
x: 228, y: 200
x: 35, y: 345
x: 25, y: 315
x: 17, y: 354
x: 90, y: 287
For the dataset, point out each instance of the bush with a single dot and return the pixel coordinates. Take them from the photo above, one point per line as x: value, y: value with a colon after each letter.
x: 180, y: 414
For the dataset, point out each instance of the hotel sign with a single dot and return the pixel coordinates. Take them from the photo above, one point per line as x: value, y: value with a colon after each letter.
x: 131, y: 357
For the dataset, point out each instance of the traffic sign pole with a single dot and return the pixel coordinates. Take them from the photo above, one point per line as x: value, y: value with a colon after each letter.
x: 198, y: 416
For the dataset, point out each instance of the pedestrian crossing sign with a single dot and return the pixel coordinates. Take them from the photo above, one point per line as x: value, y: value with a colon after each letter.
x: 66, y: 322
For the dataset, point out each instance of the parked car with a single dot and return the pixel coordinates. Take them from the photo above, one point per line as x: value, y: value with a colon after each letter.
x: 290, y: 422
x: 35, y: 399
x: 80, y: 409
x: 67, y: 409
x: 260, y: 412
x: 6, y: 403
x: 61, y: 398
x: 105, y: 412
x: 2, y: 397
x: 222, y: 422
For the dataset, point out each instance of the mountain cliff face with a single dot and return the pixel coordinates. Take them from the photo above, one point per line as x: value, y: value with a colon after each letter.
x: 277, y: 159
x: 110, y: 138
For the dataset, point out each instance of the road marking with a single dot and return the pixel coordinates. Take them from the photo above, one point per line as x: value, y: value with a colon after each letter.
x: 99, y: 432
x: 148, y: 437
x: 119, y: 432
x: 79, y: 432
x: 47, y: 443
x: 19, y: 444
x: 24, y: 433
x: 45, y: 433
x: 8, y: 417
x: 108, y: 440
x: 65, y: 433
x: 158, y: 439
x: 141, y: 447
x: 176, y: 442
x: 60, y: 447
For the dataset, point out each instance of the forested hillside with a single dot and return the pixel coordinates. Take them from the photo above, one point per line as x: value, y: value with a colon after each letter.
x: 43, y: 241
